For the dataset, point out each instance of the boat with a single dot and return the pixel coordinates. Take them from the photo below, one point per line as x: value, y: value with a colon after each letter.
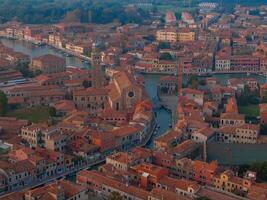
x: 170, y: 125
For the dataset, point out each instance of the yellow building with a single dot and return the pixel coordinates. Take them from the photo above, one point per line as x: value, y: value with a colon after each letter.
x: 55, y: 40
x: 172, y: 35
x: 166, y: 35
x: 186, y: 36
x: 81, y: 49
x: 228, y: 182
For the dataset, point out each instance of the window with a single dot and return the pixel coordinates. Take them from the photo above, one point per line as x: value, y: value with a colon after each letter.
x: 131, y: 94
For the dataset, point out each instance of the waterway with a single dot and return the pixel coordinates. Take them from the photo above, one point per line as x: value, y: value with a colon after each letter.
x: 163, y: 117
x: 34, y: 51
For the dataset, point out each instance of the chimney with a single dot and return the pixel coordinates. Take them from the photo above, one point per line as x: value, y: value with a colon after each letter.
x: 144, y: 180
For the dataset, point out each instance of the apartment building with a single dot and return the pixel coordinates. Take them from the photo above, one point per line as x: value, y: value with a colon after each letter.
x: 48, y: 64
x: 242, y: 133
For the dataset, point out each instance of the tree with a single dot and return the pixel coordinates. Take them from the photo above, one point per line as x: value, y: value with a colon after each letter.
x: 87, y: 84
x: 52, y: 111
x: 248, y: 97
x: 24, y: 70
x: 115, y: 196
x: 73, y: 16
x: 263, y: 129
x: 164, y: 45
x: 261, y: 169
x: 242, y: 169
x: 3, y: 103
x: 193, y: 82
x: 165, y: 56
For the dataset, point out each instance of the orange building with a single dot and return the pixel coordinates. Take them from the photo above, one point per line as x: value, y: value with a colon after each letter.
x: 263, y: 113
x: 150, y: 174
x: 231, y: 106
x: 204, y: 172
x: 104, y: 140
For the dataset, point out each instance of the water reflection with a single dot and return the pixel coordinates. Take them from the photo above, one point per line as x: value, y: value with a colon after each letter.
x: 35, y: 51
x: 163, y: 117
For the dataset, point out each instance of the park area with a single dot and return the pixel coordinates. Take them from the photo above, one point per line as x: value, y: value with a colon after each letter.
x: 251, y: 110
x: 36, y: 115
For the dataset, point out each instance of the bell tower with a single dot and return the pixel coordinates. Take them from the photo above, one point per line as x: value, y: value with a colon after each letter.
x: 97, y: 73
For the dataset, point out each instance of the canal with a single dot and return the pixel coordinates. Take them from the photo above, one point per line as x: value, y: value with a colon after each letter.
x: 163, y: 117
x: 34, y: 51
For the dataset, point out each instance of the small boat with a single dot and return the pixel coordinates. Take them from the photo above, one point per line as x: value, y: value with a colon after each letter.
x: 170, y: 125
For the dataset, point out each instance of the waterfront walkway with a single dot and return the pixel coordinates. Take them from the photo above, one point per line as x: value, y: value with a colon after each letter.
x: 63, y: 50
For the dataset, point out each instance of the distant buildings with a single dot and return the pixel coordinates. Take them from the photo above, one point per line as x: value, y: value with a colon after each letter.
x: 48, y: 64
x: 187, y: 18
x: 172, y: 35
x: 207, y: 7
x: 103, y: 114
x: 170, y: 17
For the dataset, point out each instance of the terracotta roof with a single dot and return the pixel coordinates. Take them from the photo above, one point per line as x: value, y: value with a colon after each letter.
x: 65, y: 105
x: 168, y: 79
x: 257, y: 192
x: 158, y: 193
x: 211, y: 167
x: 185, y: 146
x: 127, y: 130
x: 227, y: 130
x: 232, y: 116
x: 215, y: 195
x: 91, y: 92
x: 111, y: 182
x: 191, y: 91
x: 169, y: 136
x: 134, y: 154
x: 48, y: 191
x: 182, y: 184
x: 50, y: 58
x: 13, y: 196
x: 208, y: 132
